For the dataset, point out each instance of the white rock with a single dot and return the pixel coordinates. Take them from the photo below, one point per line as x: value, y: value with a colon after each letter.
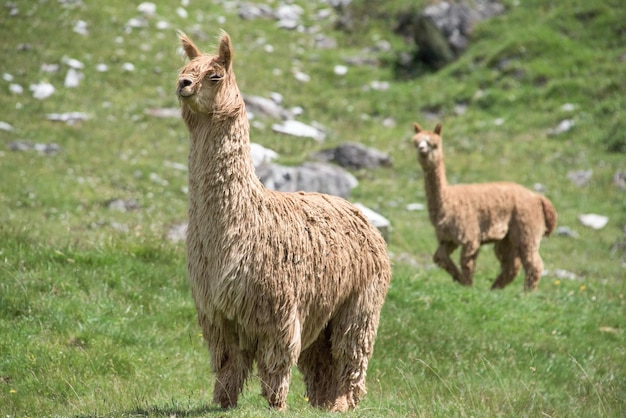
x: 340, y: 70
x: 593, y: 220
x: 7, y: 77
x: 147, y: 8
x: 16, y: 88
x: 127, y: 66
x: 300, y: 76
x: 73, y: 78
x: 42, y: 90
x: 80, y: 27
x: 261, y: 155
x: 4, y: 126
x: 376, y: 219
x: 73, y: 63
x: 182, y: 12
x: 415, y: 206
x: 296, y: 128
x: 102, y: 68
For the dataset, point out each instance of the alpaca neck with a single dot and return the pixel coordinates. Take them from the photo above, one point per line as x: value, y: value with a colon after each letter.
x: 435, y: 184
x: 222, y: 179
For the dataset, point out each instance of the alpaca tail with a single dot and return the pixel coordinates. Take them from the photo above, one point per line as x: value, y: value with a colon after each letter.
x: 549, y: 215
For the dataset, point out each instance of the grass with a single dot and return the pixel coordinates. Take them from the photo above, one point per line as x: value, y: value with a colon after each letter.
x: 96, y: 318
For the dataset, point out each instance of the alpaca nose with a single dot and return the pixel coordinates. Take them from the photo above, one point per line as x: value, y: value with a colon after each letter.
x: 182, y: 90
x: 422, y: 147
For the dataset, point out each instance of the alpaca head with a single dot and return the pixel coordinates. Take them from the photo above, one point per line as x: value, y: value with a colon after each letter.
x: 207, y: 85
x: 428, y: 145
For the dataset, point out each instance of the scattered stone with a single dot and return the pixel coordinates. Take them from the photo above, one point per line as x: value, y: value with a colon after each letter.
x: 261, y: 155
x: 268, y: 107
x: 73, y: 78
x: 147, y: 8
x: 128, y: 67
x: 568, y: 107
x: 355, y: 156
x: 308, y: 177
x: 69, y: 117
x: 565, y: 231
x: 564, y: 126
x: 122, y: 205
x: 81, y: 28
x: 340, y: 70
x: 164, y: 112
x: 580, y: 178
x: 42, y: 90
x: 561, y: 274
x: 177, y: 232
x: 593, y: 220
x: 412, y: 207
x: 299, y: 129
x: 302, y: 77
x: 48, y: 149
x: 376, y: 219
x: 175, y: 165
x: 73, y: 63
x: 4, y: 126
x: 16, y: 88
x: 50, y: 68
x: 102, y: 68
x: 619, y: 179
x: 539, y: 188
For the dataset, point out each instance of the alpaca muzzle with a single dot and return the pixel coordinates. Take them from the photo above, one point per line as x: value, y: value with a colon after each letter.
x: 422, y: 147
x: 184, y: 88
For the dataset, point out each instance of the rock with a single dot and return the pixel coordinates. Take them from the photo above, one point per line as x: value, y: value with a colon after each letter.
x: 309, y: 177
x: 42, y: 90
x: 177, y: 232
x: 4, y: 126
x: 353, y: 155
x: 69, y: 117
x: 580, y: 178
x: 443, y: 29
x: 122, y: 205
x: 593, y: 220
x: 415, y: 206
x: 147, y: 8
x: 379, y: 221
x: 299, y: 129
x: 566, y: 231
x: 48, y: 149
x: 619, y: 179
x: 564, y: 126
x: 267, y: 107
x: 73, y: 78
x: 163, y: 112
x: 261, y: 155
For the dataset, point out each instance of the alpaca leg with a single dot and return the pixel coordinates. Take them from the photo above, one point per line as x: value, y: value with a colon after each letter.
x: 353, y: 331
x: 316, y: 365
x: 230, y: 364
x: 274, y: 362
x: 509, y: 262
x: 443, y: 260
x: 533, y: 267
x: 469, y: 253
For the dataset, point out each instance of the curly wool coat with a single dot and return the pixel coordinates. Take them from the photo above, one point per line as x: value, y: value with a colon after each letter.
x: 277, y: 278
x: 470, y: 215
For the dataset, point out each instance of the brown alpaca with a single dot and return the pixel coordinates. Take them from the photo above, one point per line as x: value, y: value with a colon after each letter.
x: 277, y: 278
x: 506, y: 214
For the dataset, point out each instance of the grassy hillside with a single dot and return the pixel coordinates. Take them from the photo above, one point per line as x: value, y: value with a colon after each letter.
x: 96, y: 318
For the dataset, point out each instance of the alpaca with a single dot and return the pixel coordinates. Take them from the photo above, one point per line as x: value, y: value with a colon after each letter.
x: 506, y: 214
x: 277, y: 278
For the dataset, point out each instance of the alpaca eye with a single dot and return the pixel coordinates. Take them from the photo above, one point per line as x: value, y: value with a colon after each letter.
x: 215, y: 77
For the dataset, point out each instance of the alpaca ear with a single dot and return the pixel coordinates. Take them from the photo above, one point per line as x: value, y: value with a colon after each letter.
x: 225, y: 51
x: 418, y: 129
x: 438, y: 129
x: 190, y: 48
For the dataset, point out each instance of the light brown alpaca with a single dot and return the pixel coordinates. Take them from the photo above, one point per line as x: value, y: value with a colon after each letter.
x: 277, y: 278
x: 506, y: 214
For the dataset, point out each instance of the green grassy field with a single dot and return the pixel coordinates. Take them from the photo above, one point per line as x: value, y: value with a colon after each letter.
x: 96, y: 317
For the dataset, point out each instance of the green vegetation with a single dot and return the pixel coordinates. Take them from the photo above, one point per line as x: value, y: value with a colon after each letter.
x: 96, y: 318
